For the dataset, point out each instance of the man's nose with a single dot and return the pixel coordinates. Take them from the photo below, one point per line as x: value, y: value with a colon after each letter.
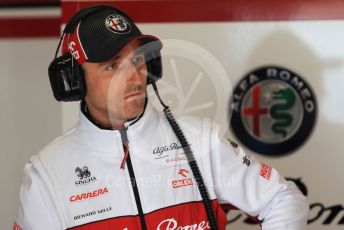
x: 136, y: 73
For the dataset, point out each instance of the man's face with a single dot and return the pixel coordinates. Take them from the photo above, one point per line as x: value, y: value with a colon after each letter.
x: 117, y: 88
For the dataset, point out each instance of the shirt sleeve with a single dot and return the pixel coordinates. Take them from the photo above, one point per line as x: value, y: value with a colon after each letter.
x: 37, y: 210
x: 255, y: 188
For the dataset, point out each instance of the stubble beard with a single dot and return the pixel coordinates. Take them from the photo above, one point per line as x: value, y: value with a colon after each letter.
x: 126, y: 109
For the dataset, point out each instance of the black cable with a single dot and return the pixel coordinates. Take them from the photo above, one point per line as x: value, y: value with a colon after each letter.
x: 58, y: 46
x: 191, y: 160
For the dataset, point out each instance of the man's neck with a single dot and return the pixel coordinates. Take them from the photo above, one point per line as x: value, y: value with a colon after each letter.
x: 101, y: 121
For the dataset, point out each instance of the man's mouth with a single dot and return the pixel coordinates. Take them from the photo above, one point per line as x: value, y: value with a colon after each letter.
x: 135, y: 95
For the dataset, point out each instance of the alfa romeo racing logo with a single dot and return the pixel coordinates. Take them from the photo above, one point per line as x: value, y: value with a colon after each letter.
x: 117, y: 24
x: 274, y: 110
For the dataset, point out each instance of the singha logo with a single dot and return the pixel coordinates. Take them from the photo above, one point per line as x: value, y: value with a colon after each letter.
x: 82, y: 173
x: 84, y: 176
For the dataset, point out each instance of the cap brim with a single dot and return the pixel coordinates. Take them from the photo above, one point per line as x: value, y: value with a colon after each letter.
x: 149, y: 43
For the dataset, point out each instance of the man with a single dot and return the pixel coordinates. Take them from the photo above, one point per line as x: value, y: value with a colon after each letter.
x: 128, y: 166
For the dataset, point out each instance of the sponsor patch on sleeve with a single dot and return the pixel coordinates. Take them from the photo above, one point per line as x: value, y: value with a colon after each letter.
x: 246, y: 159
x: 235, y: 145
x: 16, y: 227
x: 265, y: 171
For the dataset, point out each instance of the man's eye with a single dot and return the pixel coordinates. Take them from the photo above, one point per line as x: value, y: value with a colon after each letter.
x: 138, y: 60
x: 111, y: 66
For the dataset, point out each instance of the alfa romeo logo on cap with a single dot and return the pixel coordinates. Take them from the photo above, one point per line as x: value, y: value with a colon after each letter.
x: 274, y: 110
x: 117, y: 24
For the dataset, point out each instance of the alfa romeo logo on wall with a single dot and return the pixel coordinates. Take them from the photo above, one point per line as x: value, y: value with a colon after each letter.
x: 274, y: 110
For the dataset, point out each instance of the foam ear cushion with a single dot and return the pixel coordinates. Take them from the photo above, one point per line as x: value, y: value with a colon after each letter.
x: 154, y: 66
x: 67, y: 79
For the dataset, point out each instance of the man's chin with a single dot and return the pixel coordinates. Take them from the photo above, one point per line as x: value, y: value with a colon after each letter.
x: 131, y: 110
x: 131, y: 114
x: 128, y: 110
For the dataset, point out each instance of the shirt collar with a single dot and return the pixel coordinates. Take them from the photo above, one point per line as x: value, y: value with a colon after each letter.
x: 105, y: 139
x: 84, y: 110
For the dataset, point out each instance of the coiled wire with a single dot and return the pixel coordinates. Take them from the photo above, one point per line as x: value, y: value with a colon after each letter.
x: 191, y: 160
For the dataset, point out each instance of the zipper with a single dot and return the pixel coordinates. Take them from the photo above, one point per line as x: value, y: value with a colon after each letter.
x: 126, y: 160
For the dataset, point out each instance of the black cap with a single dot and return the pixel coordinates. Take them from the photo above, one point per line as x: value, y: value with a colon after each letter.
x: 102, y: 34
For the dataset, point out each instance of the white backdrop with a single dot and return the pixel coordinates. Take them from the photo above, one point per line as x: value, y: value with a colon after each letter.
x: 29, y: 117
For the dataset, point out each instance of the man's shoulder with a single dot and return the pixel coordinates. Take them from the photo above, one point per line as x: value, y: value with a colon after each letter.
x: 52, y: 162
x: 194, y: 125
x: 193, y: 121
x: 59, y: 147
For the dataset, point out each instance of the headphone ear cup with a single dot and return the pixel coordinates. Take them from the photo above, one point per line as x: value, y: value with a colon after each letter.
x: 154, y: 66
x: 67, y: 79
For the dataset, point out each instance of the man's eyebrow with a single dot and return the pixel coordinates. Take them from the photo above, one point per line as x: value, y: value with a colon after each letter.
x: 138, y: 51
x: 114, y: 59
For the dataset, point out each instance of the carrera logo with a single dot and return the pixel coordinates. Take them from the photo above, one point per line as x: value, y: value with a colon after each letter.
x: 274, y: 110
x: 187, y: 181
x: 265, y: 171
x: 88, y: 195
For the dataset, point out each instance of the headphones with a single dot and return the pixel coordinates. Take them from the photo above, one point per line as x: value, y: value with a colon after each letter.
x: 67, y: 78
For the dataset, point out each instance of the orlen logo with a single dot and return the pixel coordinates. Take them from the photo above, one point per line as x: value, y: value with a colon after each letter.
x: 186, y: 181
x: 88, y: 195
